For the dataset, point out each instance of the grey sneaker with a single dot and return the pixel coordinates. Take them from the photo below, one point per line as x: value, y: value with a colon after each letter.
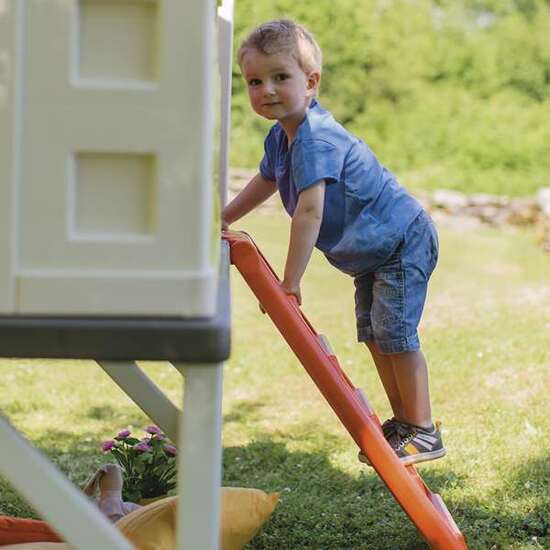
x: 413, y: 444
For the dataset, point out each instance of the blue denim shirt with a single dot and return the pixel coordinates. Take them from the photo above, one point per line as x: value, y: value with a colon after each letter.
x: 366, y: 212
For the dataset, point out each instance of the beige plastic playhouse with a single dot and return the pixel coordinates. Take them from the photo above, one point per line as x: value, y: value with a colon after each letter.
x: 108, y: 195
x: 114, y: 124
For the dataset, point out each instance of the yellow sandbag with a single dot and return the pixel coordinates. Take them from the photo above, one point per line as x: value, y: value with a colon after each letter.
x: 152, y: 527
x: 243, y: 512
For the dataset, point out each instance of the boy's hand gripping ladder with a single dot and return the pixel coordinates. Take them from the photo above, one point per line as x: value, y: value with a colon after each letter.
x: 425, y: 509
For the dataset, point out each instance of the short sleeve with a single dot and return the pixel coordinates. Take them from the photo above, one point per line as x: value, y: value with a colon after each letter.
x: 267, y: 168
x: 315, y: 160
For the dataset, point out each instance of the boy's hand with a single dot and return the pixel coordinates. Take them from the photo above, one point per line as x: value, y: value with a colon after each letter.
x: 292, y: 289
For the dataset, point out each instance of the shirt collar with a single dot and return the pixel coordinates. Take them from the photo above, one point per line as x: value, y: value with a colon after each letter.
x: 313, y: 106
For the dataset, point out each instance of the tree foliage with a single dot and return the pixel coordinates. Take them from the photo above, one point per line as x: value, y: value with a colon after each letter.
x: 448, y: 93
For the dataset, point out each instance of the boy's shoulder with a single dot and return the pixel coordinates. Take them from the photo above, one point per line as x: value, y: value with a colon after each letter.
x: 275, y: 133
x: 321, y: 125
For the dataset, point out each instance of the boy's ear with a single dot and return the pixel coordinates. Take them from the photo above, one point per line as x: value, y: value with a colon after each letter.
x: 313, y: 79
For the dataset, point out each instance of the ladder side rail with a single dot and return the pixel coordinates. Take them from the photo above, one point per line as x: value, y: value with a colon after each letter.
x: 235, y: 237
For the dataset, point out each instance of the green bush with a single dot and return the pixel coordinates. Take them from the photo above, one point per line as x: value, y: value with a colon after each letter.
x: 448, y: 93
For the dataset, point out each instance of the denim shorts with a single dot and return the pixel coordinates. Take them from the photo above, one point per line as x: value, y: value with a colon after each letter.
x: 390, y: 300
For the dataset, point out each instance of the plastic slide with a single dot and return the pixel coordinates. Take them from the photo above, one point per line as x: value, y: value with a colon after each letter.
x: 425, y: 509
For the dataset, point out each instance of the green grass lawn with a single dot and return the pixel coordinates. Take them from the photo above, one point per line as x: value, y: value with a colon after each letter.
x: 486, y: 333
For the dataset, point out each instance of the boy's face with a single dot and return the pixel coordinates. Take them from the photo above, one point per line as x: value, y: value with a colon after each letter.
x: 278, y: 88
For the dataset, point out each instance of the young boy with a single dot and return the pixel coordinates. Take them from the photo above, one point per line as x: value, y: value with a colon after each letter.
x: 344, y: 202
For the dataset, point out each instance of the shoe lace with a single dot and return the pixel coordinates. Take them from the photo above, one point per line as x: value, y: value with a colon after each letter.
x: 389, y: 425
x: 405, y: 434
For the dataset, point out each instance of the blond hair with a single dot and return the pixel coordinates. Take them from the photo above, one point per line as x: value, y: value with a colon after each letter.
x: 285, y: 36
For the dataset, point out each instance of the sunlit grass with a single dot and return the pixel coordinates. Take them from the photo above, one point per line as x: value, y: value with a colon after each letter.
x: 486, y: 333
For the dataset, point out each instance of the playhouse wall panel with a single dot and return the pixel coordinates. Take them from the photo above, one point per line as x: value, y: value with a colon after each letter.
x: 116, y: 212
x: 8, y: 141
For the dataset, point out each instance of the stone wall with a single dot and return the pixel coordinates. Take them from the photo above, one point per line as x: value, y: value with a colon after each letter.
x: 457, y: 208
x: 495, y: 210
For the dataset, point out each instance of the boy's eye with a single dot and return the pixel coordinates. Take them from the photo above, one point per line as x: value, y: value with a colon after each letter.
x: 281, y: 76
x: 254, y: 82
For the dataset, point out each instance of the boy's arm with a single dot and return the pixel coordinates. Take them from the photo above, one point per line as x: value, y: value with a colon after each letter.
x: 304, y: 230
x: 257, y: 190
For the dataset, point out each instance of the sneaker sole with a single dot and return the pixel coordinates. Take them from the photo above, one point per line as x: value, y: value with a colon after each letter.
x: 412, y: 459
x: 423, y: 457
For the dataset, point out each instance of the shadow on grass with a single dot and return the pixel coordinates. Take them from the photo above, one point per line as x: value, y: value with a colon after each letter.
x: 517, y: 511
x: 244, y: 411
x: 116, y: 416
x: 323, y: 507
x: 532, y: 481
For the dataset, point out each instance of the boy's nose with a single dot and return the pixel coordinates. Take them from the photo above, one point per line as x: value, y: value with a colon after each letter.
x: 269, y: 89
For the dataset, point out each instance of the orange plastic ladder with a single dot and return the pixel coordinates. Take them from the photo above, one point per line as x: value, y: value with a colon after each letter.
x: 425, y: 509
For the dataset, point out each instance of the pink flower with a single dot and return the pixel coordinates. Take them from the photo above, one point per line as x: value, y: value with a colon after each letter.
x: 124, y: 433
x: 142, y: 446
x: 106, y: 446
x: 155, y: 430
x: 170, y: 450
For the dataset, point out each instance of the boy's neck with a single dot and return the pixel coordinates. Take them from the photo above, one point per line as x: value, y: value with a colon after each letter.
x: 291, y: 126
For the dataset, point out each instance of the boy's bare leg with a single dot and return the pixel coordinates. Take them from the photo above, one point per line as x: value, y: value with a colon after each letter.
x: 405, y: 379
x: 384, y: 366
x: 411, y: 376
